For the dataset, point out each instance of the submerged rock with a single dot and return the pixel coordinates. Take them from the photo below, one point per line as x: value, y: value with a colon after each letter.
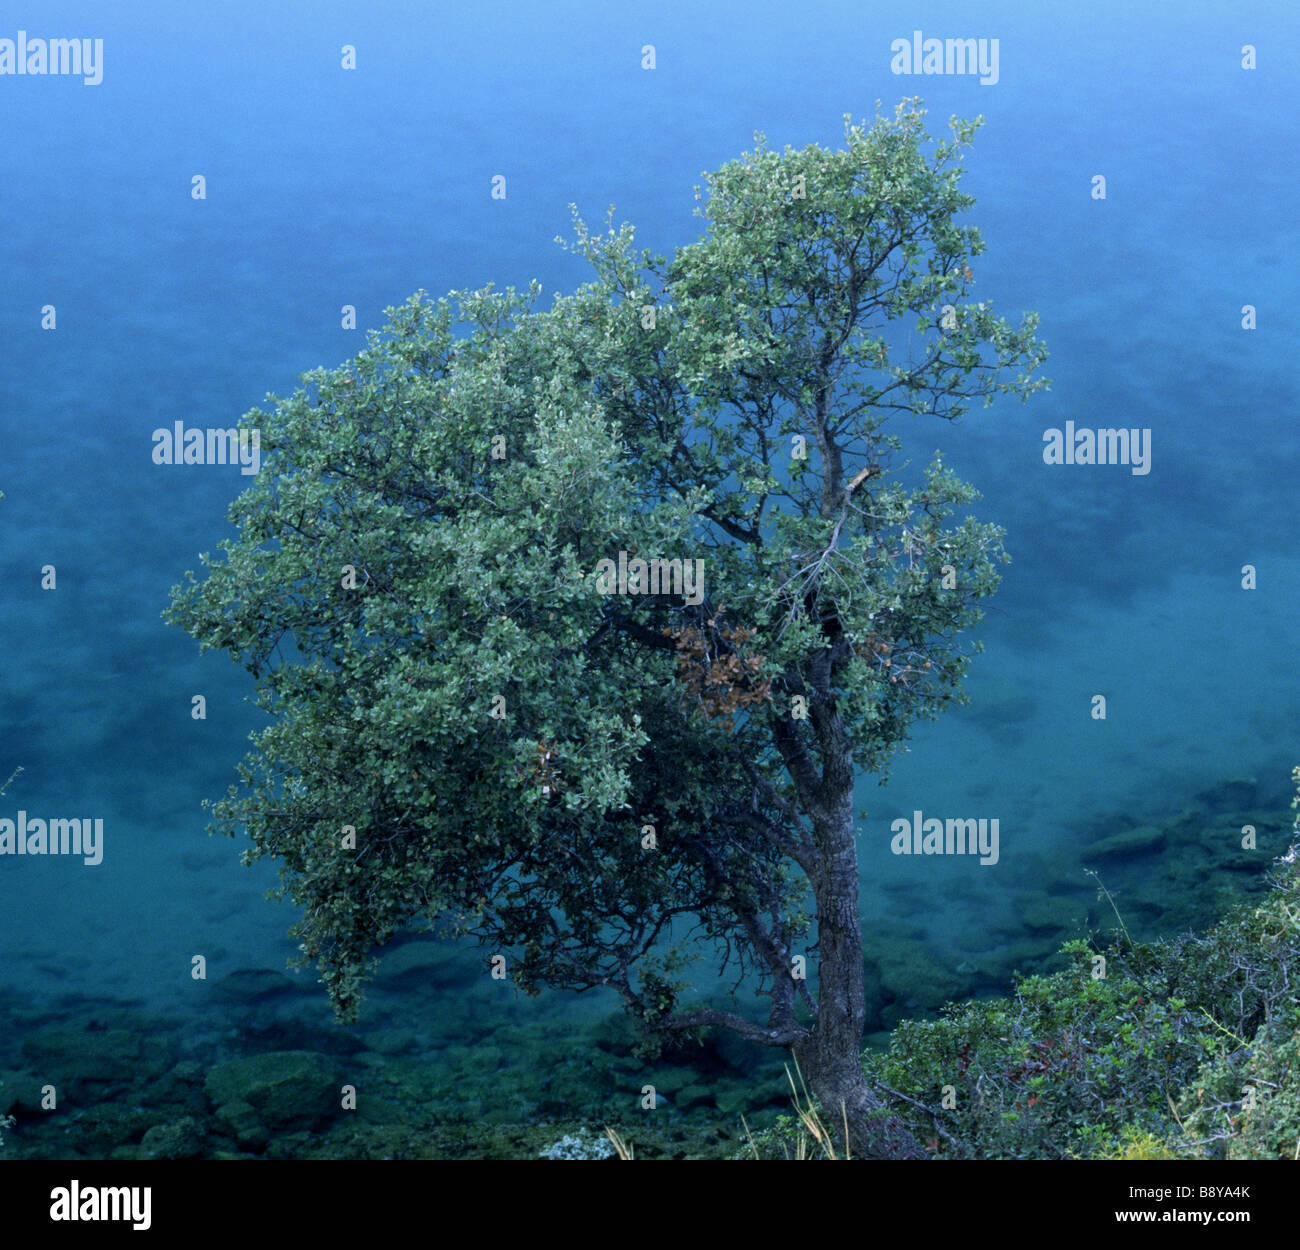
x: 393, y: 1041
x: 423, y: 965
x: 1231, y: 793
x: 19, y: 1091
x: 1042, y: 914
x: 110, y: 1055
x: 283, y: 1090
x: 695, y: 1095
x: 1144, y: 841
x: 253, y: 985
x: 241, y: 1121
x: 671, y: 1080
x: 184, y: 1139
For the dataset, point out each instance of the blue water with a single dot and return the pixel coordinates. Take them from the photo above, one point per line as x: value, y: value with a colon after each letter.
x: 328, y: 187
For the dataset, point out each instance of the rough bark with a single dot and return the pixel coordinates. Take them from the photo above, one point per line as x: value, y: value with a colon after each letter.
x: 830, y: 1056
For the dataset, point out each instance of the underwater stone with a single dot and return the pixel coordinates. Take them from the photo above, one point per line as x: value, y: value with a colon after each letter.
x: 243, y: 1124
x: 911, y: 974
x: 288, y: 1089
x: 1231, y: 792
x: 253, y: 985
x: 1042, y: 914
x: 393, y: 1041
x: 696, y: 1095
x: 482, y: 1059
x: 180, y: 1089
x: 669, y: 1080
x: 421, y: 965
x: 95, y: 1055
x: 372, y: 1110
x: 184, y: 1139
x: 1129, y: 845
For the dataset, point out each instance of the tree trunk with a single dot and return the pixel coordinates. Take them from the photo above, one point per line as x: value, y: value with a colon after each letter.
x: 831, y: 1057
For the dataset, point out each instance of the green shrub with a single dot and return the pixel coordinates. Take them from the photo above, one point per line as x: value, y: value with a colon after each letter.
x: 1079, y: 1065
x: 1246, y: 1104
x: 1135, y: 1143
x: 784, y: 1138
x: 1058, y: 1070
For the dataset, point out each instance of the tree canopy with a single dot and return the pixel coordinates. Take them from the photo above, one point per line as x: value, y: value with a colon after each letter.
x: 467, y: 727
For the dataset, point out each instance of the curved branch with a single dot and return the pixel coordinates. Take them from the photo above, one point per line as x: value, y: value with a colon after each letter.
x: 709, y: 1017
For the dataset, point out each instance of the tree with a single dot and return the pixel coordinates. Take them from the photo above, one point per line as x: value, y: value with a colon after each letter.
x: 466, y: 728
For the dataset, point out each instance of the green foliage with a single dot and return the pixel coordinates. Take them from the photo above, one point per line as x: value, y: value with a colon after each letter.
x: 1042, y: 1074
x: 413, y: 585
x: 1076, y: 1066
x: 1245, y: 1103
x: 1136, y: 1144
x: 785, y: 1138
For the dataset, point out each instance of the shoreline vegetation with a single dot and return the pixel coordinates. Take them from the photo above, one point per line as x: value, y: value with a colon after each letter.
x: 1184, y: 1047
x: 1179, y: 1046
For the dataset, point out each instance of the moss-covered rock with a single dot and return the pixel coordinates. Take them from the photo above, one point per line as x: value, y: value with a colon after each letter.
x: 694, y: 1096
x: 1231, y: 792
x: 180, y: 1089
x: 393, y: 1041
x: 1040, y: 913
x: 19, y: 1092
x: 241, y: 1121
x: 913, y: 978
x: 481, y: 1060
x: 63, y: 1055
x: 375, y: 1110
x: 286, y: 1090
x: 671, y: 1080
x: 1128, y: 845
x: 250, y: 986
x: 182, y: 1139
x: 616, y: 1033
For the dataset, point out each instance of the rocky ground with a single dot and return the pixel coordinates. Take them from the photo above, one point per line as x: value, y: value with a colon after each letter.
x: 97, y: 1081
x: 261, y: 1072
